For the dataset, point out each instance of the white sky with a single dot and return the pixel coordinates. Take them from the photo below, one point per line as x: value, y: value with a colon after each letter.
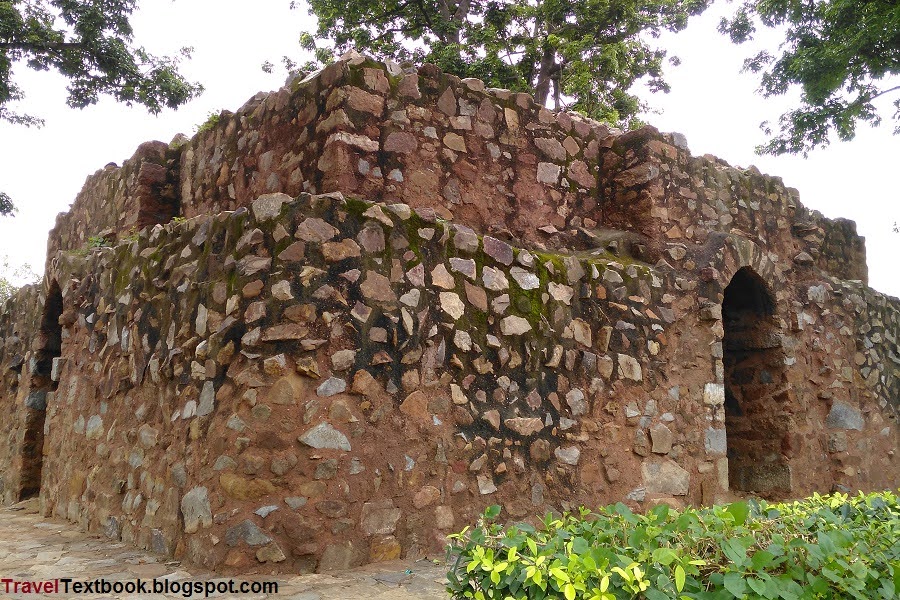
x: 711, y: 103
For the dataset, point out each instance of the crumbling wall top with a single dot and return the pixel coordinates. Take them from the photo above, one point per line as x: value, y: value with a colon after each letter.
x: 492, y: 159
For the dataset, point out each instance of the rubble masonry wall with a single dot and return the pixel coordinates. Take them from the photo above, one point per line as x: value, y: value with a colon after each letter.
x: 496, y: 305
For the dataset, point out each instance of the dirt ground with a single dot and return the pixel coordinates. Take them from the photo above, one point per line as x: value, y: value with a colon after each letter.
x: 37, y: 550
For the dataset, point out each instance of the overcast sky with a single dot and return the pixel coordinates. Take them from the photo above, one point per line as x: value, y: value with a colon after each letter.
x: 711, y: 103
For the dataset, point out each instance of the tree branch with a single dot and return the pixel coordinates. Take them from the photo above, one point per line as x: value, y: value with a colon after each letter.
x: 444, y: 9
x: 396, y: 12
x: 887, y: 91
x: 427, y: 18
x: 40, y: 47
x: 462, y: 11
x: 386, y: 32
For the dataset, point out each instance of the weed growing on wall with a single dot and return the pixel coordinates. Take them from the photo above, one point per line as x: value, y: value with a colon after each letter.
x: 131, y: 235
x: 822, y: 547
x: 210, y: 123
x: 97, y: 241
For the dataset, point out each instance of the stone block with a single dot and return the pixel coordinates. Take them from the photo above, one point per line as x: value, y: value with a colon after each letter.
x: 379, y: 517
x: 715, y: 441
x: 665, y: 477
x: 714, y: 394
x: 268, y: 206
x: 844, y: 416
x: 195, y: 509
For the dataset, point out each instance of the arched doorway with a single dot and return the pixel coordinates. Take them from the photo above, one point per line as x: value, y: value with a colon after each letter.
x: 43, y: 384
x: 757, y: 419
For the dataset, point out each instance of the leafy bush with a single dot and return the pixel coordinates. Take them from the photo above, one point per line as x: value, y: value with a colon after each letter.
x: 822, y: 547
x: 212, y: 120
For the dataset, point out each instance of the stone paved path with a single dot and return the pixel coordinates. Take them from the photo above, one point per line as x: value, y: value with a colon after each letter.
x: 36, y: 549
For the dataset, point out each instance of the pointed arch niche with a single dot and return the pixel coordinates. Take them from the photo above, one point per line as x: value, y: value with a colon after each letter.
x: 43, y: 384
x: 757, y: 418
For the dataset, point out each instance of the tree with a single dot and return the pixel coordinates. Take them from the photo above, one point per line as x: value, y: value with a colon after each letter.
x: 841, y: 54
x: 584, y: 54
x: 13, y: 277
x: 90, y: 43
x: 6, y: 205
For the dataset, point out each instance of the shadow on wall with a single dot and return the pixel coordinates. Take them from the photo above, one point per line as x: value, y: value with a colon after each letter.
x: 44, y: 381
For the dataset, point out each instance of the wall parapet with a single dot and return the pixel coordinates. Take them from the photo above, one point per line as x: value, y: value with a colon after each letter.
x: 490, y: 158
x: 117, y: 201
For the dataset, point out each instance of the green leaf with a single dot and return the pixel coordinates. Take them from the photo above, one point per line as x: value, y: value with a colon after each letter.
x: 735, y: 551
x: 679, y: 578
x: 739, y: 510
x: 788, y: 589
x: 492, y: 512
x: 838, y: 54
x: 757, y: 585
x: 825, y: 544
x: 580, y: 545
x: 783, y: 570
x: 664, y: 556
x: 90, y: 44
x: 761, y: 559
x: 734, y: 583
x: 660, y: 511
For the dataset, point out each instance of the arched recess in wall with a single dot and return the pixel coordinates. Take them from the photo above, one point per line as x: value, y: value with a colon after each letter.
x: 757, y: 415
x: 44, y: 381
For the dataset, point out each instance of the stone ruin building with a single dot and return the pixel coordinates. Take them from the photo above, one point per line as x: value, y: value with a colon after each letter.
x: 333, y: 326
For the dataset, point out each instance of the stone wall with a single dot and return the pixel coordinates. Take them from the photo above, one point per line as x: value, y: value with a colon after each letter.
x: 344, y: 380
x: 20, y: 324
x: 490, y: 158
x: 651, y: 184
x: 496, y: 304
x: 118, y: 201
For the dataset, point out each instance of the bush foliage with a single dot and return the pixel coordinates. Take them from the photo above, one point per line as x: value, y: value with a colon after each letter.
x: 834, y: 546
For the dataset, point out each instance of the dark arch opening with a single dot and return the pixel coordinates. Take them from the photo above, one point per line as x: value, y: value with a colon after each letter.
x: 756, y: 412
x: 44, y: 381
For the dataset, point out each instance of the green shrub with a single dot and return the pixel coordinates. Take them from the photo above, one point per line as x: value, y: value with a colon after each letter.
x: 822, y: 547
x: 97, y: 241
x: 212, y: 120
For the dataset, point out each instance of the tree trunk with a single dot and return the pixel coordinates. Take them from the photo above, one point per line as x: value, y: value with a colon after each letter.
x: 545, y: 75
x: 452, y: 18
x: 556, y: 91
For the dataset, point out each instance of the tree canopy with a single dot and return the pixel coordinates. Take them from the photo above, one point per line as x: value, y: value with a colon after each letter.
x: 90, y: 43
x: 841, y: 54
x: 585, y: 55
